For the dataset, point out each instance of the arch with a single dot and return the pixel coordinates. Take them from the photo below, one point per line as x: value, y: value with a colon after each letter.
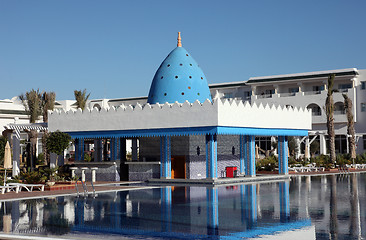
x: 97, y: 106
x: 339, y: 108
x: 316, y: 110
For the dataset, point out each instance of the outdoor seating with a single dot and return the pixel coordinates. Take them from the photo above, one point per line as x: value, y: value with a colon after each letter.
x: 28, y: 187
x: 9, y: 188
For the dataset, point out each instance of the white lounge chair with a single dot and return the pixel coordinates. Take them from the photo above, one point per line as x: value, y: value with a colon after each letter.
x: 28, y: 187
x: 9, y: 188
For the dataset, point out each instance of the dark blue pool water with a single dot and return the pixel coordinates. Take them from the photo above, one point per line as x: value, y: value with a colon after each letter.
x: 319, y: 207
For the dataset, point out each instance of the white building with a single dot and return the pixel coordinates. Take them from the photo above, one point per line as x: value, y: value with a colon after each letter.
x: 302, y: 89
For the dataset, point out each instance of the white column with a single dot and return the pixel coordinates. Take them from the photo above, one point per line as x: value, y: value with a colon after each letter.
x: 307, y: 148
x: 323, y: 144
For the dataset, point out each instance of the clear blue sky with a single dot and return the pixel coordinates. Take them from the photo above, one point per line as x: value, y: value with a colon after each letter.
x: 113, y: 47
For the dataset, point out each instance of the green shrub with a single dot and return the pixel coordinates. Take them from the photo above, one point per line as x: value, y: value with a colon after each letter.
x: 57, y: 142
x: 40, y: 159
x: 87, y: 157
x: 33, y: 177
x: 267, y: 164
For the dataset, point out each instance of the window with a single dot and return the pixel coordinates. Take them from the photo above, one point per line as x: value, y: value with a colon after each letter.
x: 318, y: 89
x: 363, y: 85
x: 344, y: 87
x: 341, y: 144
x: 247, y: 95
x: 270, y: 91
x: 228, y: 95
x: 339, y: 108
x: 316, y: 111
x: 363, y: 107
x: 293, y: 91
x: 264, y: 143
x: 364, y: 142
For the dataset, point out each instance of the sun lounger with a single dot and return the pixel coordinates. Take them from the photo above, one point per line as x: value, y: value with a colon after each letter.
x: 9, y: 188
x: 28, y: 187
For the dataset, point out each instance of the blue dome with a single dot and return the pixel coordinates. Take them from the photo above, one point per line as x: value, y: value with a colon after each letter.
x: 179, y: 78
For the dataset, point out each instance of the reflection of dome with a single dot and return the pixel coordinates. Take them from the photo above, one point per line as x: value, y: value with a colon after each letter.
x: 179, y: 78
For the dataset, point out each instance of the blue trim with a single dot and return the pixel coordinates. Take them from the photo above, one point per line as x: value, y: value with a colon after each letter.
x: 261, y: 131
x: 189, y: 131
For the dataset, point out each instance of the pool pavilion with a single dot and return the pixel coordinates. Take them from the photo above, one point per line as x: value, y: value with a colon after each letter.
x: 188, y: 113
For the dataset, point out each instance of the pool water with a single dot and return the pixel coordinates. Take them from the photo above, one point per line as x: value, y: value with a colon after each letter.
x: 307, y: 207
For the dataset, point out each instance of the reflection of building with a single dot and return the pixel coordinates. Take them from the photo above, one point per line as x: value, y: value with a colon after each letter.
x: 283, y: 209
x: 182, y: 133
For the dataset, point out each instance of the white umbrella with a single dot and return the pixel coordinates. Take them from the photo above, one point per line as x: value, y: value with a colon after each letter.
x: 7, y: 159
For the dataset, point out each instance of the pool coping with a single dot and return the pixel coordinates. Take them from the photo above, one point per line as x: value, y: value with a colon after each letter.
x: 221, y: 181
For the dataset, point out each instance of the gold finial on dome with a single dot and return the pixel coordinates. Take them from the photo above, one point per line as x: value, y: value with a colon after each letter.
x: 179, y: 44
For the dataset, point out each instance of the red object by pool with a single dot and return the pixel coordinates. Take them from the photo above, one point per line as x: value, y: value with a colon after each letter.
x: 230, y: 171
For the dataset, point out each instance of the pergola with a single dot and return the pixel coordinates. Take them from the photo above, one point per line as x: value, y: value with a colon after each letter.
x: 17, y: 129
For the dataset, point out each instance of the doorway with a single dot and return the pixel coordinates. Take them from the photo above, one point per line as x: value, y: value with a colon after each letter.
x: 178, y: 167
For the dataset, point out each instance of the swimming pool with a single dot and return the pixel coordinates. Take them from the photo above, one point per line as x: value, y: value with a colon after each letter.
x: 308, y: 207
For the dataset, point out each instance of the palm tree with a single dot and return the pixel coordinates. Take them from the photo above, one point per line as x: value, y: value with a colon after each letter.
x: 33, y: 107
x: 329, y: 109
x: 47, y: 103
x: 350, y: 126
x: 81, y: 98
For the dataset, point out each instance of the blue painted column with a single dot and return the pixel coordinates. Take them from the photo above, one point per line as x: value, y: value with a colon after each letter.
x: 242, y: 155
x: 282, y: 155
x: 166, y: 209
x: 249, y: 155
x: 211, y: 156
x: 212, y: 211
x: 165, y: 158
x: 284, y: 188
x: 114, y: 149
x: 79, y: 149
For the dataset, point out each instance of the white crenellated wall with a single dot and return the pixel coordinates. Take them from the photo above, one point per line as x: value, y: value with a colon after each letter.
x: 239, y: 114
x: 180, y: 115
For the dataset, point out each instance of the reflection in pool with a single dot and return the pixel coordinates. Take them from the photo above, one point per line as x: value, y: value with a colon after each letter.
x: 318, y: 207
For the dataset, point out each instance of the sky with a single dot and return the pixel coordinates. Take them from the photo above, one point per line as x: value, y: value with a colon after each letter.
x: 112, y: 48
